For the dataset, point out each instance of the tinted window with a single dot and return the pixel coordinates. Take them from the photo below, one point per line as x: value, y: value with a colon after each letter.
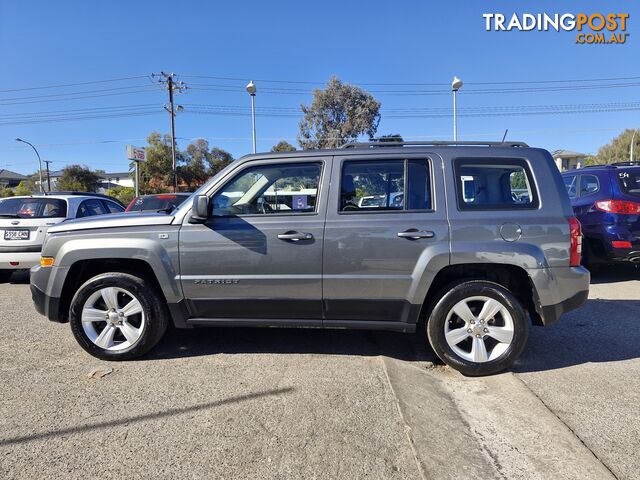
x: 588, y: 184
x: 629, y: 180
x: 34, y: 207
x: 270, y: 189
x: 88, y: 208
x: 570, y: 184
x: 494, y: 184
x: 380, y: 185
x: 113, y: 207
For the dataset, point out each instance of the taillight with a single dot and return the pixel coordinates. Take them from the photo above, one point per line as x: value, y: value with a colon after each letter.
x: 621, y: 244
x: 619, y: 206
x: 131, y: 204
x: 575, y: 250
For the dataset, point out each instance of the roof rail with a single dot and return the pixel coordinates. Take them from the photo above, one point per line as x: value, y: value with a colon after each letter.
x: 625, y: 164
x: 431, y: 144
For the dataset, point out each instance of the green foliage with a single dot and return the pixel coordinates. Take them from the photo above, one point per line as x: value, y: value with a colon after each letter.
x: 283, y: 146
x: 78, y: 178
x: 338, y: 114
x: 195, y: 165
x: 6, y: 192
x: 124, y: 194
x: 22, y: 189
x: 618, y: 149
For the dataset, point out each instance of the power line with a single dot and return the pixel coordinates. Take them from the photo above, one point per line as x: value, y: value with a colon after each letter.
x: 440, y: 84
x: 65, y: 85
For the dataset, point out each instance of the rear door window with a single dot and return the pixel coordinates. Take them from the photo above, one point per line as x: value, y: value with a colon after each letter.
x: 494, y: 184
x: 112, y: 207
x: 589, y: 185
x: 382, y: 185
x: 629, y: 181
x: 92, y: 207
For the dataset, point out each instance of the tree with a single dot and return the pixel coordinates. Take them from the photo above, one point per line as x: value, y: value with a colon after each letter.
x: 218, y: 159
x: 196, y: 161
x: 155, y: 173
x: 78, y: 178
x: 338, y: 114
x: 6, y: 192
x: 23, y: 189
x: 618, y: 149
x: 283, y: 146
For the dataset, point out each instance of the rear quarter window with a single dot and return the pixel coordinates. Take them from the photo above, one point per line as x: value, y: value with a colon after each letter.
x: 629, y: 181
x: 494, y: 184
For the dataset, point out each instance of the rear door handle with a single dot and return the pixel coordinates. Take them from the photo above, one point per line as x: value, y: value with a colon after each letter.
x: 295, y: 236
x: 415, y: 234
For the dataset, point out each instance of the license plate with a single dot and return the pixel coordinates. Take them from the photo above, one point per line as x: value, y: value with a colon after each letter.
x: 16, y: 234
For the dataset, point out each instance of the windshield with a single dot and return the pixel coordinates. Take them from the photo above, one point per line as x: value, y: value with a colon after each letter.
x: 629, y: 180
x: 33, y: 207
x: 157, y: 202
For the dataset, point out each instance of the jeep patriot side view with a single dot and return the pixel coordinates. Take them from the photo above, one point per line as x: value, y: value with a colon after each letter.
x: 467, y: 243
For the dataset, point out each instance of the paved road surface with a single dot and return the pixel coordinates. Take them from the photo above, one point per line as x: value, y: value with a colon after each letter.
x: 249, y: 403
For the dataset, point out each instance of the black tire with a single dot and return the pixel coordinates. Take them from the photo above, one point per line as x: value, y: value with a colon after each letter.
x: 5, y: 275
x: 454, y: 294
x: 153, y: 307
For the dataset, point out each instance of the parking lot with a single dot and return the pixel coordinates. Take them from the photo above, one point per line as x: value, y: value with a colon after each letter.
x: 258, y: 403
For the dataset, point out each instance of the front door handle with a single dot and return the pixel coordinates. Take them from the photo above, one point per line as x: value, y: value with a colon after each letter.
x: 295, y: 236
x: 415, y: 234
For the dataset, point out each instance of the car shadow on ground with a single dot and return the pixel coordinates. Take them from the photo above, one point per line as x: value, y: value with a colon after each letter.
x: 229, y: 340
x: 599, y: 331
x: 615, y: 273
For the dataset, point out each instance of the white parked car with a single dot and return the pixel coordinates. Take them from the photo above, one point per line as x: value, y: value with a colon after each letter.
x: 24, y: 222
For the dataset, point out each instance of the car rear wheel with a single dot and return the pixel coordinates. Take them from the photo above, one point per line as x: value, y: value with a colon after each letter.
x: 117, y: 316
x: 478, y: 328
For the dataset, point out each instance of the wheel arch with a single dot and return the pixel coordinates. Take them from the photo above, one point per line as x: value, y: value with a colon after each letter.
x: 512, y: 277
x: 82, y: 270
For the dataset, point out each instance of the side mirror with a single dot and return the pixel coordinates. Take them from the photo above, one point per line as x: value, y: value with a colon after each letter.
x: 200, y: 209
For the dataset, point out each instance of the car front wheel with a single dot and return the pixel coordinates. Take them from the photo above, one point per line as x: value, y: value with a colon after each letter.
x: 117, y: 316
x: 478, y: 328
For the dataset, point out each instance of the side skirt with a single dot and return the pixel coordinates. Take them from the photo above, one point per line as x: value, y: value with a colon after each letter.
x: 302, y: 323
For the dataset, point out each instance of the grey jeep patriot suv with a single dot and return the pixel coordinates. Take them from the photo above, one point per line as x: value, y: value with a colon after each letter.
x: 464, y: 242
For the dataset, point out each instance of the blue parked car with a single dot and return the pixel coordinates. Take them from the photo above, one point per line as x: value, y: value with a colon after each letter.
x: 606, y: 200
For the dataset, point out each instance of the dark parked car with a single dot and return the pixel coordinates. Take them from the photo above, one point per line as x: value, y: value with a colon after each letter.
x: 158, y: 202
x: 606, y: 200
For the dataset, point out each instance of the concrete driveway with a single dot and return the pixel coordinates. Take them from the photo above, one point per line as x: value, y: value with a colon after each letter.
x: 275, y: 403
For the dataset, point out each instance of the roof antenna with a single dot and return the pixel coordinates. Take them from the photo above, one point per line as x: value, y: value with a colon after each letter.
x: 505, y: 135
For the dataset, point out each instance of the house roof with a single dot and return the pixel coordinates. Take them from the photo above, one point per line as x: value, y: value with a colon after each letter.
x: 9, y: 175
x: 567, y: 154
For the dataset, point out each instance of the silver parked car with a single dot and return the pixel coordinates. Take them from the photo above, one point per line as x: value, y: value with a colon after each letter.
x: 481, y: 242
x: 24, y: 222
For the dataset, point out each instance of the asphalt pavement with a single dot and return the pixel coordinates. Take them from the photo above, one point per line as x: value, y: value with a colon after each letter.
x: 279, y: 403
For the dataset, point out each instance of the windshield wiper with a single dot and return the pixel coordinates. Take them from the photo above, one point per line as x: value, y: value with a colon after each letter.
x: 10, y: 215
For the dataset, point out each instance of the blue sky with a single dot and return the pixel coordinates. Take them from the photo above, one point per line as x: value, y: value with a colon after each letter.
x: 44, y: 43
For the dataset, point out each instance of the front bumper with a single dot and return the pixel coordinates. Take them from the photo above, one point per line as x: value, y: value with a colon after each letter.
x: 19, y: 260
x: 46, y: 305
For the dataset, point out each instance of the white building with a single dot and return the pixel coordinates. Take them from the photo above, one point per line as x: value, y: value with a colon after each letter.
x: 107, y: 180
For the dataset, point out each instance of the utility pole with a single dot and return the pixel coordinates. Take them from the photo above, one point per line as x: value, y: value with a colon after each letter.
x: 171, y: 85
x: 48, y: 175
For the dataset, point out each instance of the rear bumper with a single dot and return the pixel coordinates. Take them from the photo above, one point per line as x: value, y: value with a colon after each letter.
x: 559, y: 290
x: 46, y: 305
x: 19, y: 260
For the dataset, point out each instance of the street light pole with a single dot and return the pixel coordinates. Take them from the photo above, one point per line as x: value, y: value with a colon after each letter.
x: 633, y: 137
x: 456, y: 84
x: 48, y: 176
x: 39, y: 161
x: 251, y: 90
